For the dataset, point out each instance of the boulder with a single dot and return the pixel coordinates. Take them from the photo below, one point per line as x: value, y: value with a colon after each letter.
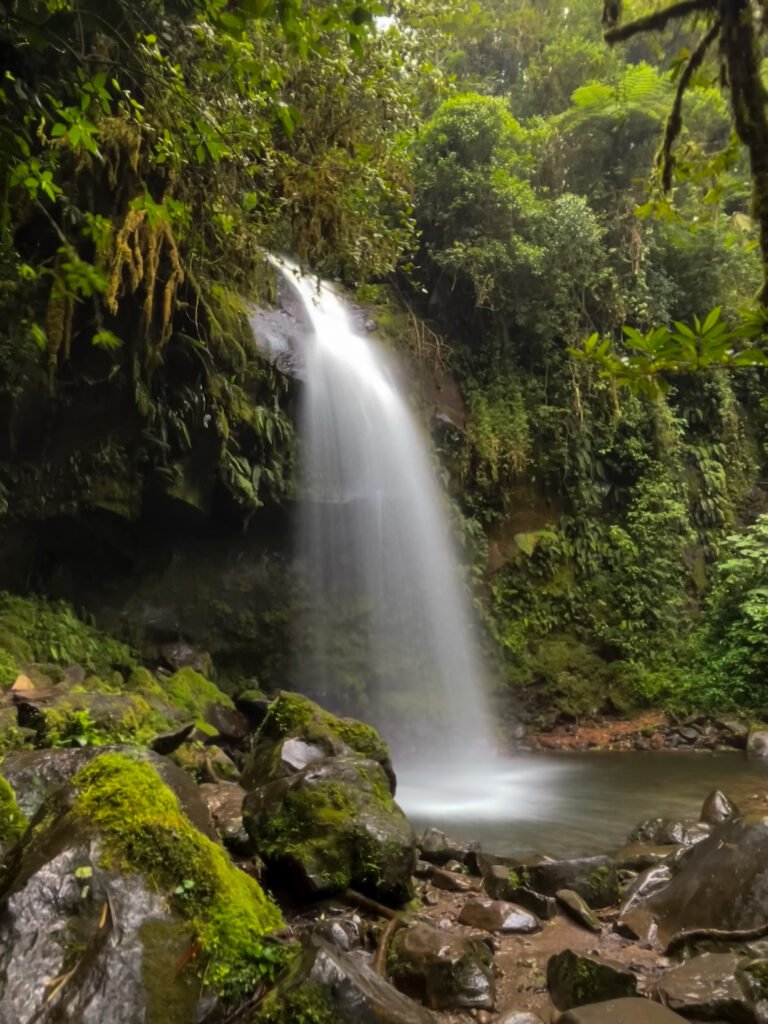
x: 757, y: 744
x: 639, y: 856
x: 13, y: 821
x: 442, y: 970
x: 669, y: 832
x: 332, y: 826
x: 708, y: 987
x: 503, y: 883
x: 224, y: 801
x: 454, y: 881
x: 717, y: 808
x: 328, y: 986
x: 436, y: 847
x: 721, y: 883
x: 498, y: 916
x: 593, y: 878
x: 296, y: 732
x: 574, y: 979
x: 645, y: 885
x: 35, y: 774
x: 578, y: 909
x: 519, y: 1017
x: 621, y: 1011
x: 113, y: 907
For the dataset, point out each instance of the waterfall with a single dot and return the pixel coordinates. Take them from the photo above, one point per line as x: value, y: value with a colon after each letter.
x: 388, y: 623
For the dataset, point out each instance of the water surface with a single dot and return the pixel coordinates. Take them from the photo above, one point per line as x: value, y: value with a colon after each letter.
x: 575, y: 803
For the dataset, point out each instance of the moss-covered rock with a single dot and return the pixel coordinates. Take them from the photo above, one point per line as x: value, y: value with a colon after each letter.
x: 332, y: 826
x: 444, y: 971
x: 293, y: 716
x: 83, y: 718
x: 13, y: 821
x: 193, y: 693
x: 576, y: 980
x: 113, y: 889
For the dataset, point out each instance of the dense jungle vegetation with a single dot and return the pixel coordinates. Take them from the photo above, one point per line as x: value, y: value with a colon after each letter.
x: 573, y: 233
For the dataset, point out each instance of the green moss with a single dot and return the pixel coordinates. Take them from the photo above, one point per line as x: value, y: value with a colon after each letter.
x: 143, y: 828
x: 191, y: 692
x: 170, y: 1000
x: 82, y: 721
x: 142, y: 681
x: 290, y: 714
x: 9, y: 669
x: 32, y: 629
x: 310, y: 1004
x: 13, y: 823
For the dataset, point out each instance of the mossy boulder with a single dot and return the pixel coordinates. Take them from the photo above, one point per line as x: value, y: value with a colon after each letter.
x: 291, y: 716
x: 84, y: 717
x: 115, y: 907
x: 13, y: 821
x: 327, y: 986
x: 332, y: 826
x: 444, y: 971
x: 36, y: 774
x: 576, y: 980
x: 594, y: 879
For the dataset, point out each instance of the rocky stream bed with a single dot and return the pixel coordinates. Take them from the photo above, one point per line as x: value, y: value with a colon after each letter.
x: 170, y: 856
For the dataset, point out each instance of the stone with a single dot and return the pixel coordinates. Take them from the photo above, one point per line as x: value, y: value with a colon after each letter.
x: 167, y: 742
x: 332, y: 826
x: 35, y: 774
x: 708, y: 987
x: 498, y: 916
x: 224, y: 801
x: 502, y: 883
x: 338, y: 986
x: 345, y: 933
x: 640, y: 856
x: 23, y: 685
x: 442, y: 970
x: 646, y: 884
x: 734, y: 732
x: 668, y: 832
x: 453, y: 881
x: 757, y: 744
x: 436, y: 847
x: 621, y: 1011
x: 574, y: 979
x: 296, y: 732
x: 519, y: 1017
x: 423, y: 869
x: 717, y: 808
x: 722, y: 882
x: 230, y: 725
x: 593, y: 878
x: 578, y: 909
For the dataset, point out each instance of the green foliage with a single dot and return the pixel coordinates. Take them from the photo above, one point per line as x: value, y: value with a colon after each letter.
x: 13, y: 823
x: 143, y: 829
x: 32, y: 629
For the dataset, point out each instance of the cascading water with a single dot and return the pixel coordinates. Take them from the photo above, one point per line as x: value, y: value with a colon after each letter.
x: 387, y: 616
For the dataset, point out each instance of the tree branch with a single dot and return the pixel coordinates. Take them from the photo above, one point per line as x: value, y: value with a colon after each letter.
x: 658, y: 20
x: 664, y: 159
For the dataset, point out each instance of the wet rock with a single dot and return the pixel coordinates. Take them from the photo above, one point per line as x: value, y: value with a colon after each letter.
x: 667, y: 832
x: 498, y: 916
x: 593, y: 878
x: 717, y: 808
x: 638, y: 857
x: 231, y: 725
x: 317, y: 734
x: 436, y: 847
x: 622, y: 1011
x: 84, y: 940
x: 35, y: 774
x: 721, y: 883
x: 167, y: 742
x: 442, y: 970
x: 224, y: 801
x: 645, y: 885
x: 708, y: 987
x: 255, y: 709
x: 503, y: 883
x: 345, y: 933
x: 578, y: 909
x: 327, y: 984
x: 453, y: 881
x: 332, y: 826
x: 423, y: 869
x: 519, y: 1017
x: 575, y: 980
x: 733, y: 731
x: 757, y: 744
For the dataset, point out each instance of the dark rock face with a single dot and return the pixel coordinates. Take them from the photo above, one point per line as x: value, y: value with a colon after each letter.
x: 442, y: 970
x: 622, y: 1011
x: 645, y: 885
x: 503, y: 883
x: 717, y: 808
x: 436, y: 847
x: 498, y: 916
x: 708, y: 987
x: 337, y: 988
x: 576, y: 980
x: 721, y: 883
x: 332, y: 826
x: 35, y: 774
x: 593, y: 878
x: 638, y: 856
x: 665, y: 832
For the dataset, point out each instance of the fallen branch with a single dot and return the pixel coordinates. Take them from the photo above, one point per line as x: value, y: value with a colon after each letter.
x: 380, y: 960
x: 356, y: 899
x: 683, y: 939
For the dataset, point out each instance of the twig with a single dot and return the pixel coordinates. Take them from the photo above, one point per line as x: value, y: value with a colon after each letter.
x: 683, y: 939
x: 366, y: 903
x: 658, y: 20
x: 380, y: 960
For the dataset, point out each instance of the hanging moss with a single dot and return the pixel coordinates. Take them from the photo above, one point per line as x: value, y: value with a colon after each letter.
x: 143, y: 829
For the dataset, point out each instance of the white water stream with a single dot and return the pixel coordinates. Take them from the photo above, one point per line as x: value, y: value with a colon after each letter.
x: 388, y: 617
